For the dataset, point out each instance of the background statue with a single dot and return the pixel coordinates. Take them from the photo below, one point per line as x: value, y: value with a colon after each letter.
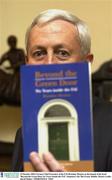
x: 10, y: 73
x: 14, y: 57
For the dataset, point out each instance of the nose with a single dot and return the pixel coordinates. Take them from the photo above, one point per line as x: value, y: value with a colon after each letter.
x: 50, y: 57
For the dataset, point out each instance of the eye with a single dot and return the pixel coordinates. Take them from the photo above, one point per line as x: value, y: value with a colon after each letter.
x: 39, y: 54
x: 63, y: 54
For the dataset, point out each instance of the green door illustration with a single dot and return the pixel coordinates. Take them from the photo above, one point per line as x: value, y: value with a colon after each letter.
x: 58, y: 140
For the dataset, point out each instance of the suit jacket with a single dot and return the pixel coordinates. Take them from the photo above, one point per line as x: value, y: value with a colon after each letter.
x: 102, y: 130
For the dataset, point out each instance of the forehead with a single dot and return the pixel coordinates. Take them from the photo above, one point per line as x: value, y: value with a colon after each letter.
x: 53, y: 28
x: 58, y: 25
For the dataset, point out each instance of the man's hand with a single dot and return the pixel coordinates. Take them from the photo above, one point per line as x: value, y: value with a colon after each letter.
x: 45, y: 164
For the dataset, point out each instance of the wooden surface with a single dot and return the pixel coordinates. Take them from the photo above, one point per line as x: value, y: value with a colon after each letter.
x: 69, y: 166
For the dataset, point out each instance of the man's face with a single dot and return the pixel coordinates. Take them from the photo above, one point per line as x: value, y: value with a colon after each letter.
x: 54, y: 43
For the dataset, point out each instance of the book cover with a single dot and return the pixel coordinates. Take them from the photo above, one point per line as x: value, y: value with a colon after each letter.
x: 57, y: 113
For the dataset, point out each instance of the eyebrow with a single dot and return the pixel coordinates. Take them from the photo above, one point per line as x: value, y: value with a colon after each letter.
x: 37, y: 47
x: 55, y: 46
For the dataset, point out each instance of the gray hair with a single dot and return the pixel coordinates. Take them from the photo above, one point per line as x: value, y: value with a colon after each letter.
x: 54, y: 14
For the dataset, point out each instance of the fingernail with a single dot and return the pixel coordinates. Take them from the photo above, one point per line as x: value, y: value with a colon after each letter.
x: 33, y: 154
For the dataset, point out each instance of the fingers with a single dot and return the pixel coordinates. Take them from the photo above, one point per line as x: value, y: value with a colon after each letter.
x: 52, y: 163
x: 48, y: 163
x: 37, y: 163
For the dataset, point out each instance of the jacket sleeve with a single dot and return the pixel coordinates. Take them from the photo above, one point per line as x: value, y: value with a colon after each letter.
x: 17, y: 159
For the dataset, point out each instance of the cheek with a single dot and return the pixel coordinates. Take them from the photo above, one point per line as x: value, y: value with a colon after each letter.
x: 75, y: 58
x: 29, y: 60
x: 32, y: 61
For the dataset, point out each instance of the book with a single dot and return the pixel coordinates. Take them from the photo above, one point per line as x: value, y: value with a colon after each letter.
x: 57, y: 113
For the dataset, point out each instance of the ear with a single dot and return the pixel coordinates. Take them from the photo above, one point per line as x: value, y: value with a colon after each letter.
x: 89, y: 58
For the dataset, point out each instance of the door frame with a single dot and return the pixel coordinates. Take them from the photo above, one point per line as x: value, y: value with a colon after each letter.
x: 73, y: 135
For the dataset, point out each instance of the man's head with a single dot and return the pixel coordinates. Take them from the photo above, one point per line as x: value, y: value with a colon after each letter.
x: 56, y: 36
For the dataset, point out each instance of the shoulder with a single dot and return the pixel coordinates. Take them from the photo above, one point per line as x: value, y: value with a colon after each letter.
x: 5, y: 55
x: 20, y: 50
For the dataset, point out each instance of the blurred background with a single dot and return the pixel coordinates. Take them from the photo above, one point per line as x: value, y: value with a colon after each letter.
x: 15, y: 17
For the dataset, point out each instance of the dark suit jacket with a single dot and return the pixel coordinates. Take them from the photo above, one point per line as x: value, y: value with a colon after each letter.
x: 102, y: 130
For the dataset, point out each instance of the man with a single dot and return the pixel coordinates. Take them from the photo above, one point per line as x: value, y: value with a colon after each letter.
x: 56, y: 36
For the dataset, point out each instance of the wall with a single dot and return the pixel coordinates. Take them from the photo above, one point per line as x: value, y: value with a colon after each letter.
x: 10, y: 121
x: 15, y: 16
